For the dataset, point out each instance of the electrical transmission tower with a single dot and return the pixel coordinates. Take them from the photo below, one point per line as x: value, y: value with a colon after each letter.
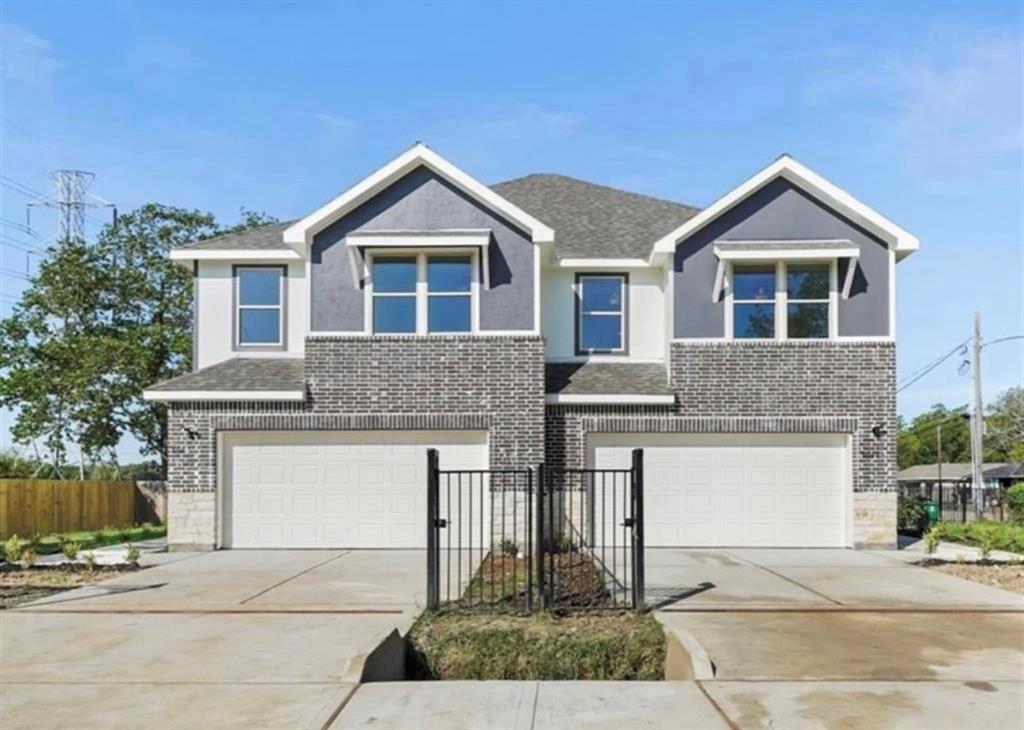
x: 71, y: 199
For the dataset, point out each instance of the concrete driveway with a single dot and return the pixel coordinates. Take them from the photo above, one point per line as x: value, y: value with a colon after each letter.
x: 837, y: 638
x: 246, y: 639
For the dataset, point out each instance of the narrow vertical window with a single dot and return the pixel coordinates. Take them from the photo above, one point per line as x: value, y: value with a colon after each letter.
x: 449, y: 293
x: 394, y: 295
x: 259, y: 301
x: 807, y: 300
x: 753, y: 296
x: 601, y: 325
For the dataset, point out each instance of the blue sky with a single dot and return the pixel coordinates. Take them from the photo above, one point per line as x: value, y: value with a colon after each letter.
x: 913, y: 108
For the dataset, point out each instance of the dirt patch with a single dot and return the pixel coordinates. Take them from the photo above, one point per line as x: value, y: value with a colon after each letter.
x: 20, y: 585
x: 1008, y: 576
x: 600, y: 646
x: 577, y: 581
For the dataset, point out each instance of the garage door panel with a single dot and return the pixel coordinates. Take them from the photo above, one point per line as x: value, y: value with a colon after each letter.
x: 335, y: 489
x: 737, y: 489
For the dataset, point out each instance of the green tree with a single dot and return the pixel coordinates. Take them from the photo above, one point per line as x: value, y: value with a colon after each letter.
x: 917, y: 442
x: 1004, y: 428
x: 98, y: 324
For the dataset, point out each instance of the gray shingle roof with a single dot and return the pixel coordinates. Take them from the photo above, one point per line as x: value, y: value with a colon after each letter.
x: 265, y: 238
x: 600, y: 378
x: 243, y: 373
x: 955, y: 471
x: 594, y: 221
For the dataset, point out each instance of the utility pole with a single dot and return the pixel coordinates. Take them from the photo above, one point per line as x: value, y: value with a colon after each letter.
x: 977, y: 425
x: 71, y: 198
x: 938, y: 438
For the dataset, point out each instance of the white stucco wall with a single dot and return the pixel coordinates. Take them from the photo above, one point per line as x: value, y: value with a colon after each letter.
x: 645, y: 310
x: 215, y: 312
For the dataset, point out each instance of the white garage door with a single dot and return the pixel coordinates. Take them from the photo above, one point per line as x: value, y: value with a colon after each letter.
x: 358, y: 489
x: 755, y: 490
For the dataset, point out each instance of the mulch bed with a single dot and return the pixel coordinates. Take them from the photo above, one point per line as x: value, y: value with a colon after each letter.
x: 20, y: 585
x: 1008, y: 576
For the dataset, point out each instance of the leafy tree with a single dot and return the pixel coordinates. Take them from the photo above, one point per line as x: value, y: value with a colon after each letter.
x: 917, y: 442
x: 1004, y: 428
x: 97, y: 325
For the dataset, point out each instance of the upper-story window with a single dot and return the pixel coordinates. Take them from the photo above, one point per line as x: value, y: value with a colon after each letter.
x: 787, y: 300
x: 259, y: 297
x: 422, y: 293
x: 601, y: 317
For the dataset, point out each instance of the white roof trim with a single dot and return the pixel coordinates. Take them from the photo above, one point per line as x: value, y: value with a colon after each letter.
x: 806, y: 250
x: 602, y: 263
x: 898, y: 239
x: 234, y: 254
x: 300, y: 234
x: 223, y: 395
x: 577, y: 398
x: 417, y: 239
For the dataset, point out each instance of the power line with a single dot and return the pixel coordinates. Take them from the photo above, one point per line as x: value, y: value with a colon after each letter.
x: 12, y: 272
x: 19, y: 226
x: 19, y: 187
x: 909, y: 380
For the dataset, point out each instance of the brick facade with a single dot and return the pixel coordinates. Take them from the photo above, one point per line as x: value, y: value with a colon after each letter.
x: 767, y: 387
x: 497, y: 384
x: 361, y: 383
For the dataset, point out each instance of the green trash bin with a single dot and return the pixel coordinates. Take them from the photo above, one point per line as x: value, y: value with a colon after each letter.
x: 932, y: 510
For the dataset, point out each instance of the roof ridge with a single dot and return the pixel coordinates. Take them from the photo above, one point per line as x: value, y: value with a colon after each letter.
x: 596, y: 185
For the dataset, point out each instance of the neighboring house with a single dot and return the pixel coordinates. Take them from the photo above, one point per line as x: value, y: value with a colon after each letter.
x: 999, y: 475
x: 747, y: 347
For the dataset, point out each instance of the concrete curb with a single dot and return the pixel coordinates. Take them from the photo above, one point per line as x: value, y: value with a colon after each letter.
x: 685, y: 657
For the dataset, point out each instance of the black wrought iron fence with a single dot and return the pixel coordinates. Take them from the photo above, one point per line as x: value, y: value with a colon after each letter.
x: 956, y: 501
x: 535, y: 538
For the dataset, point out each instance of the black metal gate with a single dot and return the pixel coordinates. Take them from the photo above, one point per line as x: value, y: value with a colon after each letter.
x: 535, y: 538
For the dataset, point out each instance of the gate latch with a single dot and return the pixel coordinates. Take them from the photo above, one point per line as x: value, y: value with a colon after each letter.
x: 628, y: 522
x: 440, y: 523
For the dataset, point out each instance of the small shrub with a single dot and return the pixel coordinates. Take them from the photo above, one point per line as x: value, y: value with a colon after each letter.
x: 28, y: 558
x: 987, y: 542
x: 1015, y: 502
x: 509, y: 548
x: 14, y: 546
x: 132, y: 555
x: 89, y: 560
x: 70, y: 549
x: 565, y: 544
x: 931, y: 541
x: 910, y: 514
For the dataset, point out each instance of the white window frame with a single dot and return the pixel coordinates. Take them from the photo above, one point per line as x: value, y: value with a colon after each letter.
x: 422, y: 291
x: 622, y: 314
x: 282, y: 275
x: 782, y: 301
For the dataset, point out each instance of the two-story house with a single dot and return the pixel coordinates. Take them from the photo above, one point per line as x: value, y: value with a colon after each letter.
x: 747, y: 347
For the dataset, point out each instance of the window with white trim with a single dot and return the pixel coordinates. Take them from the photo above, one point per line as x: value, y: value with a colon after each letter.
x: 259, y: 298
x: 785, y: 300
x: 601, y: 314
x: 421, y: 293
x: 807, y: 300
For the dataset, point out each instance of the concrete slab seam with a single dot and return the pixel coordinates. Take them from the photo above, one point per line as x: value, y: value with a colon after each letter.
x: 300, y: 573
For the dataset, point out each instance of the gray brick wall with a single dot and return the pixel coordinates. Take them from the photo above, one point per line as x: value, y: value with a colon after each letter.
x: 763, y: 387
x: 393, y: 383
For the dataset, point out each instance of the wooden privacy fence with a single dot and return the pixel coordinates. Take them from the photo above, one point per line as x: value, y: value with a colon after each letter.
x: 43, y: 506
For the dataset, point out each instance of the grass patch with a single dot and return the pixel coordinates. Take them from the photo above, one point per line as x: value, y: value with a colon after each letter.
x: 91, y: 539
x: 599, y: 646
x: 1000, y: 535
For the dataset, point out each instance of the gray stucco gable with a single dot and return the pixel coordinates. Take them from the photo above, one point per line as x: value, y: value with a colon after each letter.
x: 422, y: 200
x: 779, y: 211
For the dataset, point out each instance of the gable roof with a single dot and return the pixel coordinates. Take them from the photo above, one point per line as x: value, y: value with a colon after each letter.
x: 595, y: 221
x: 301, y: 233
x: 902, y: 242
x: 256, y: 378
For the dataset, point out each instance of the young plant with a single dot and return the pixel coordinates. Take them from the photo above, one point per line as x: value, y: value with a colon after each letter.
x: 28, y: 558
x: 987, y: 542
x: 89, y: 560
x: 14, y: 546
x: 70, y: 548
x: 132, y: 555
x: 509, y: 548
x: 931, y: 541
